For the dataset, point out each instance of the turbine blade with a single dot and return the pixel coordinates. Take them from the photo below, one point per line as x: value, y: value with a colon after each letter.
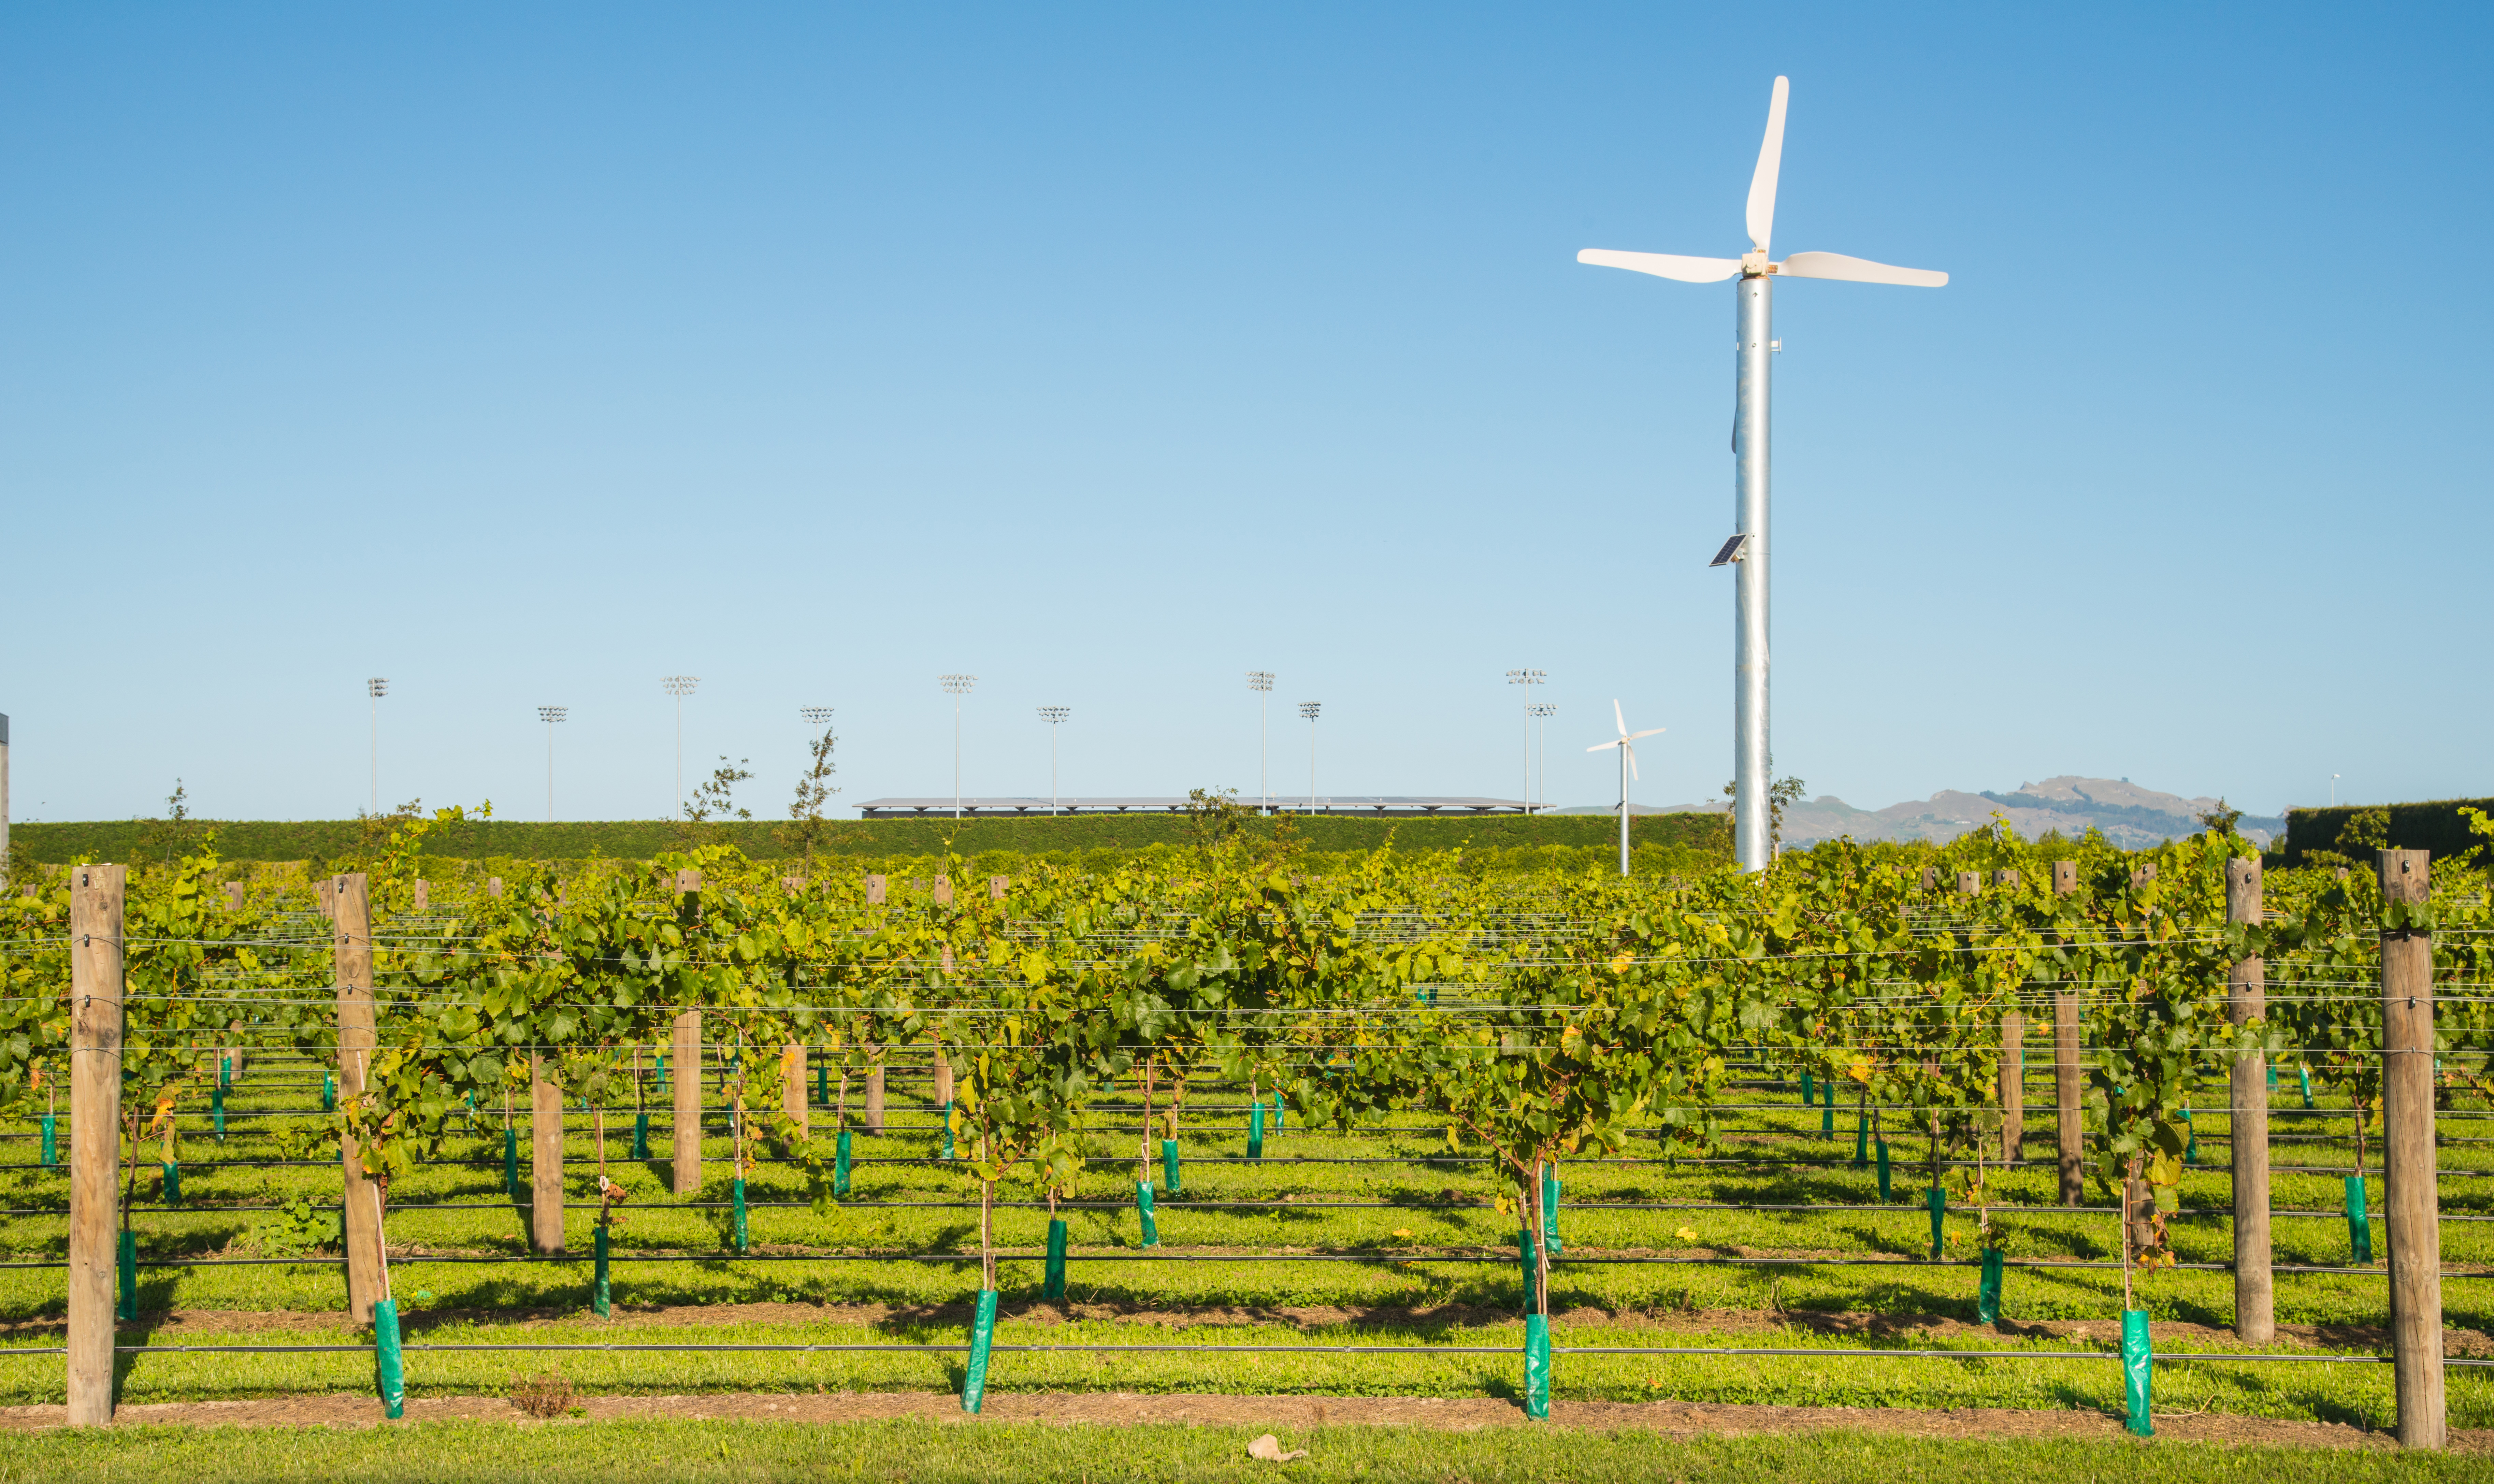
x: 1689, y: 270
x: 1598, y: 746
x: 1618, y: 717
x: 1857, y: 270
x: 1632, y: 768
x: 1771, y: 162
x: 1650, y: 732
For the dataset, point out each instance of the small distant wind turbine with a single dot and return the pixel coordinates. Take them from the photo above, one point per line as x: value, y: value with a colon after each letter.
x: 1625, y: 742
x: 1746, y: 550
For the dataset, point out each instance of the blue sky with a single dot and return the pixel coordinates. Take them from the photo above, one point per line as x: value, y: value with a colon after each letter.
x: 527, y: 355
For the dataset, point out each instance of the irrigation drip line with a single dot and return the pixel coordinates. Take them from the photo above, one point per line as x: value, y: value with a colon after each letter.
x: 1188, y: 1203
x: 2162, y: 1357
x: 1497, y: 1258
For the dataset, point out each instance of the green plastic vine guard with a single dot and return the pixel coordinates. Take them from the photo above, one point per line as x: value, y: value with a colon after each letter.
x: 1861, y: 1142
x: 658, y: 1072
x: 1937, y: 1199
x: 744, y: 1239
x: 1827, y: 1117
x: 1143, y: 1209
x: 983, y: 1334
x: 172, y: 1182
x: 1255, y: 1132
x: 1550, y: 1209
x: 52, y: 1140
x: 2137, y: 1369
x: 128, y: 1267
x: 1277, y: 1116
x: 948, y: 1130
x: 510, y: 1162
x: 225, y: 1071
x: 1808, y: 1090
x: 1536, y: 1365
x: 1055, y: 1286
x: 1987, y: 1299
x: 2305, y: 1073
x: 600, y: 1292
x: 822, y: 1084
x: 640, y: 1136
x: 2272, y: 1076
x: 840, y: 1164
x: 328, y: 1092
x: 2359, y: 1224
x: 1527, y: 1264
x: 1883, y: 1171
x: 1169, y: 1164
x: 2191, y: 1146
x: 389, y: 1364
x: 217, y: 1111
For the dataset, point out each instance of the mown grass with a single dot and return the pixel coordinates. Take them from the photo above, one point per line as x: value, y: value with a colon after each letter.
x: 932, y: 1453
x: 1428, y: 1207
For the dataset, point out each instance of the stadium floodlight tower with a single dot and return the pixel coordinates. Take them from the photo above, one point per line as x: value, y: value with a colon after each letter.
x: 1527, y: 679
x: 1261, y: 682
x: 956, y: 686
x: 1747, y: 551
x: 376, y: 688
x: 680, y: 686
x: 1541, y: 712
x: 1054, y: 717
x: 1309, y: 709
x: 550, y: 715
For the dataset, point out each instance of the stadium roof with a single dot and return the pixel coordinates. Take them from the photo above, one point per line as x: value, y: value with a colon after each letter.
x: 1351, y: 806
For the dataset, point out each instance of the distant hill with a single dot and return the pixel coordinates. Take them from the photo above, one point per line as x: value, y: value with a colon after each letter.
x: 2130, y: 816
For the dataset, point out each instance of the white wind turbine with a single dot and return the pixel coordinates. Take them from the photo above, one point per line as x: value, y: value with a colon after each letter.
x: 1746, y: 550
x: 1625, y: 742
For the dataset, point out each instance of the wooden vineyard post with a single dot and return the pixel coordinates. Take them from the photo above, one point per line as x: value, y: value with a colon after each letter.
x: 494, y: 886
x: 1931, y: 878
x: 943, y: 891
x: 792, y: 1086
x: 686, y: 1176
x: 2247, y: 1088
x: 322, y: 889
x: 2410, y: 1205
x: 874, y: 890
x: 424, y: 893
x: 2066, y: 1084
x: 95, y: 1136
x: 233, y: 897
x: 2013, y: 1084
x: 350, y: 927
x: 1968, y: 884
x: 997, y: 888
x: 545, y: 1160
x: 875, y: 1098
x: 2006, y: 880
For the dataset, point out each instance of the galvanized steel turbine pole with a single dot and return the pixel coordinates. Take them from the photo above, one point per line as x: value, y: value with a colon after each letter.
x: 1752, y: 449
x: 956, y: 686
x: 1747, y: 551
x: 1542, y: 711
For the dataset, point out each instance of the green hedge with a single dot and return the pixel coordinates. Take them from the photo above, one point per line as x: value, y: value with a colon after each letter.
x: 640, y: 839
x: 2435, y: 826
